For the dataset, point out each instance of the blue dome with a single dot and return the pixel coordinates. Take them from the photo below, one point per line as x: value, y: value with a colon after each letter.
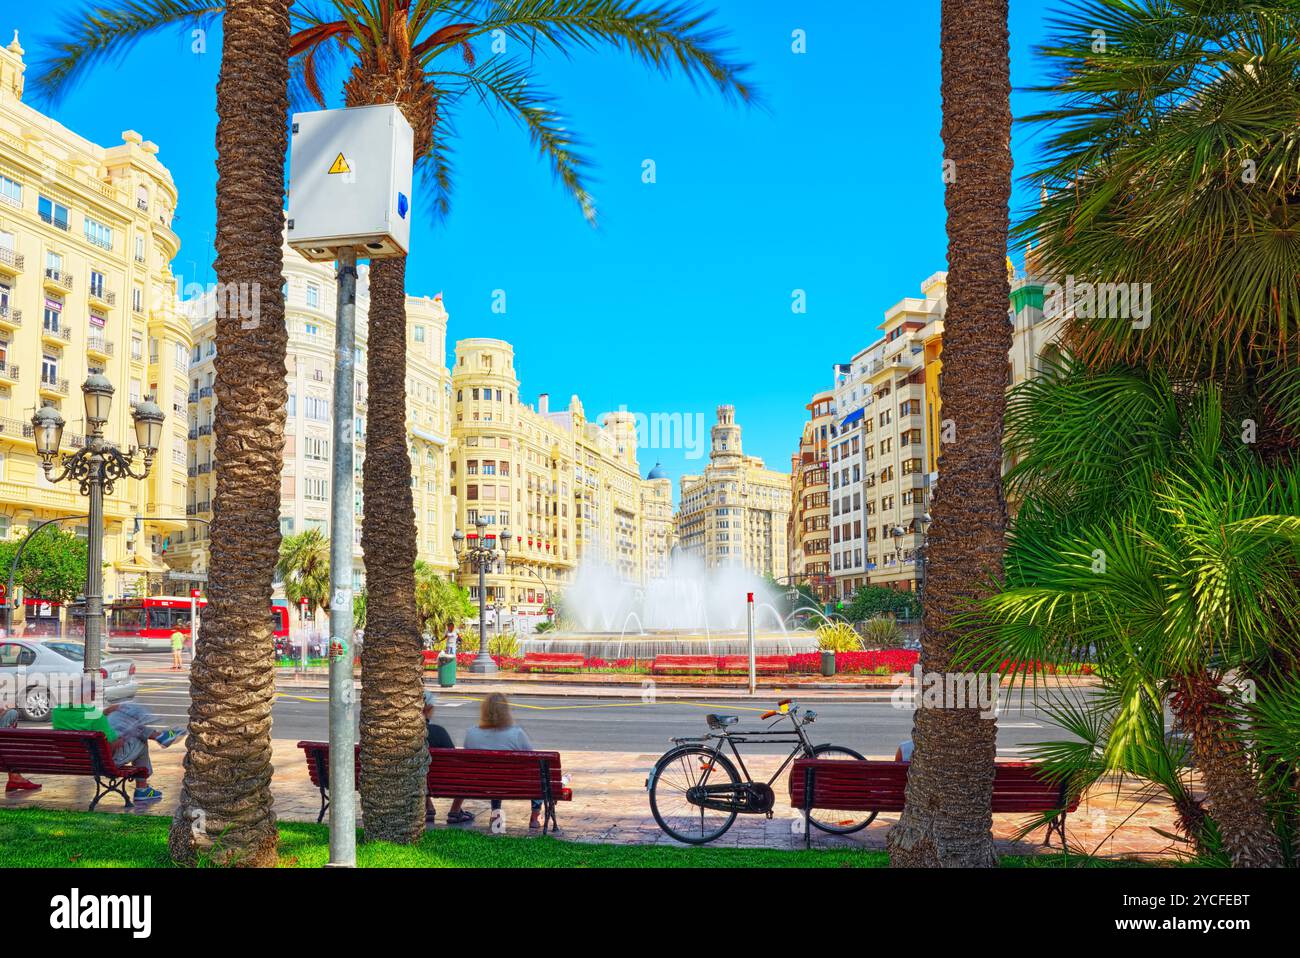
x: 657, y: 472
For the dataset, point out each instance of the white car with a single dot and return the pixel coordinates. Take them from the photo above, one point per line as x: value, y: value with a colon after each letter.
x: 37, y: 674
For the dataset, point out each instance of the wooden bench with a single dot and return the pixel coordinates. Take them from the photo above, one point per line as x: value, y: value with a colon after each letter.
x: 467, y: 773
x: 49, y: 752
x: 684, y: 663
x: 764, y: 664
x: 881, y: 787
x: 550, y: 661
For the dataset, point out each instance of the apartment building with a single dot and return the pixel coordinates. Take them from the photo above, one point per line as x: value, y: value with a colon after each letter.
x: 310, y: 292
x: 737, y: 512
x: 810, y: 508
x: 86, y: 287
x: 567, y: 488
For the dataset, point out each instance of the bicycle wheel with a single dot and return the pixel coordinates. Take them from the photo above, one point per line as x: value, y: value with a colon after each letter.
x: 677, y: 771
x: 829, y: 819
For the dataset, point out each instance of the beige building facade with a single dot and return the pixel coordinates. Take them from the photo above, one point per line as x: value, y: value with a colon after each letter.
x: 737, y: 511
x: 567, y: 488
x: 86, y: 286
x: 310, y: 292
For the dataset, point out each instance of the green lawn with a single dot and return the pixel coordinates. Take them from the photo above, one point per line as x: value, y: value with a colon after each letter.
x: 43, y: 838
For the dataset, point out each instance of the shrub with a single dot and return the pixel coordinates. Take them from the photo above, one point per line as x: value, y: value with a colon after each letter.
x: 838, y: 637
x: 881, y: 632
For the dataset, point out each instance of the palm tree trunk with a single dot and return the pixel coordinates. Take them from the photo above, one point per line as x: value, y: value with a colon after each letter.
x: 394, y: 748
x: 225, y: 811
x: 947, y: 820
x: 1231, y: 788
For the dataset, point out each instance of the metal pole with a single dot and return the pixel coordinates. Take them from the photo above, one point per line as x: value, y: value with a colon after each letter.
x: 749, y: 615
x: 194, y: 626
x: 482, y: 663
x: 343, y: 814
x: 95, y: 571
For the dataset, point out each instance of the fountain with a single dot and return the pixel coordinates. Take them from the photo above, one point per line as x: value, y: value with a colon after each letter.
x: 690, y: 611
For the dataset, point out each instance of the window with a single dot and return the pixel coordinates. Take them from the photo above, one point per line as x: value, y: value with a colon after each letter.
x: 96, y: 284
x: 98, y: 233
x: 316, y: 448
x: 137, y: 299
x: 419, y: 334
x: 49, y: 368
x: 52, y: 212
x: 50, y: 316
x: 182, y: 357
x: 11, y: 191
x: 316, y: 408
x: 313, y: 295
x: 311, y: 329
x: 316, y: 490
x: 139, y: 249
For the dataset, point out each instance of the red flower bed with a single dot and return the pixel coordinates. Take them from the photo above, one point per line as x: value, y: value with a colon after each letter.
x: 890, y: 660
x: 1047, y: 668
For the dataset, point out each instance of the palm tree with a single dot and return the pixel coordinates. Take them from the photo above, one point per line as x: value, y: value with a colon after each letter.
x: 1152, y: 539
x: 947, y: 819
x: 304, y: 567
x: 402, y: 51
x: 1170, y: 158
x: 392, y: 46
x: 439, y: 601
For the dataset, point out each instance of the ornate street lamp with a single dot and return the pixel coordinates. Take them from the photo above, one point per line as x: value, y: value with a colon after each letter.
x: 480, y: 554
x: 96, y: 466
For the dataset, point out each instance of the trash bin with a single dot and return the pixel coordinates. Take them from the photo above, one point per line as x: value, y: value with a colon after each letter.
x: 828, y: 663
x: 446, y: 670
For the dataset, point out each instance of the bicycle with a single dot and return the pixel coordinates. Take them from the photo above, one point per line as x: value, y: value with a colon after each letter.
x: 696, y: 792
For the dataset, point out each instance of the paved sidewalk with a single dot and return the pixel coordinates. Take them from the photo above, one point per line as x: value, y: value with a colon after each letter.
x: 610, y: 805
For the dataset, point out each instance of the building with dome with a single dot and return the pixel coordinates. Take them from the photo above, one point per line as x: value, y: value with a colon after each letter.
x: 657, y: 522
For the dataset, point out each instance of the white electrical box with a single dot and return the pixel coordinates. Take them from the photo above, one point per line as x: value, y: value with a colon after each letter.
x: 350, y: 182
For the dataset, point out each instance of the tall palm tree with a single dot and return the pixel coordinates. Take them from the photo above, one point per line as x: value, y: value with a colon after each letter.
x: 947, y: 819
x: 1152, y: 539
x: 304, y: 567
x: 420, y: 54
x: 399, y: 51
x: 225, y: 810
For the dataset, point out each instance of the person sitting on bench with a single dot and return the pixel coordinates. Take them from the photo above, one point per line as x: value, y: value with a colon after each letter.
x: 497, y: 731
x: 16, y: 782
x: 126, y: 726
x: 438, y: 738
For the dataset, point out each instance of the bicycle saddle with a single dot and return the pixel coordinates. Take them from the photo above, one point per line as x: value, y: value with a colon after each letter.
x: 721, y: 721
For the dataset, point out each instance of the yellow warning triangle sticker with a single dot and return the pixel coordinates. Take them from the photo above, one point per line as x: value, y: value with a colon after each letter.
x: 340, y: 165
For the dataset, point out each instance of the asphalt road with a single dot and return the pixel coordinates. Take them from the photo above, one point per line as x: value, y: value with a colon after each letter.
x: 873, y: 727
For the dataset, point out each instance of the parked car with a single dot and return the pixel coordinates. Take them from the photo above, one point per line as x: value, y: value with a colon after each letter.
x: 37, y: 675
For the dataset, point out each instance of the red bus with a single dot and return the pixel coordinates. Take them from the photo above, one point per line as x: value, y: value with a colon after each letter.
x: 148, y: 624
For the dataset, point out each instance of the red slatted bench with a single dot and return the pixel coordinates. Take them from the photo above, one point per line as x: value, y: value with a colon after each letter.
x: 48, y: 752
x: 766, y: 664
x: 468, y: 773
x: 684, y: 663
x: 548, y: 661
x: 880, y: 787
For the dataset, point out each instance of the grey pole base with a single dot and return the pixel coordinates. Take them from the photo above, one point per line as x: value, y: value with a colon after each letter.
x: 483, y: 665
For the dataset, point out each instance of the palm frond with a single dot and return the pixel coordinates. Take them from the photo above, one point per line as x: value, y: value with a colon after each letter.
x: 99, y: 33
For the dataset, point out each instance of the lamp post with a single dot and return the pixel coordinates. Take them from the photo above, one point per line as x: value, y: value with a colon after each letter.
x: 480, y: 554
x: 920, y: 553
x: 96, y: 467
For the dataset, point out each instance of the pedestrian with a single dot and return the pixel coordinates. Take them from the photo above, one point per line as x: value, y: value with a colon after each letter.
x: 178, y: 643
x: 126, y: 725
x: 497, y: 731
x: 438, y: 738
x: 16, y: 782
x: 452, y: 639
x: 904, y: 752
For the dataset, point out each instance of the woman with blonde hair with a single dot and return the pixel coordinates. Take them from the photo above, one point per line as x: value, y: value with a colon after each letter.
x: 497, y: 731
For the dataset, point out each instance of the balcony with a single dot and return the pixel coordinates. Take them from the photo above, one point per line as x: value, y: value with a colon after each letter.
x: 54, y: 386
x: 97, y: 344
x: 205, y: 430
x: 204, y: 468
x: 8, y: 371
x: 194, y: 395
x: 58, y: 280
x: 206, y: 392
x: 10, y: 261
x: 54, y: 221
x: 142, y: 205
x: 194, y: 434
x: 10, y: 317
x: 60, y: 333
x: 101, y: 296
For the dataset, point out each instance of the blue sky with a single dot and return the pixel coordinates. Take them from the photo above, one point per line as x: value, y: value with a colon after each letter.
x: 681, y: 299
